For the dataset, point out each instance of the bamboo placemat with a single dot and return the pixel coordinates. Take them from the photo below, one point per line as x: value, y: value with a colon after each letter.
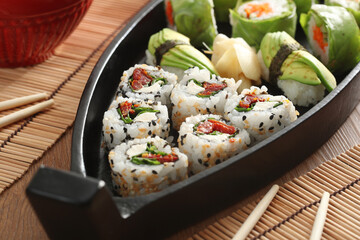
x: 292, y: 212
x: 63, y: 76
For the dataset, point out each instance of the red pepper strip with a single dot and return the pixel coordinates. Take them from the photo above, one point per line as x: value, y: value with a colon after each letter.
x: 250, y: 99
x: 125, y: 108
x: 167, y: 158
x: 222, y: 127
x: 212, y: 125
x: 212, y: 87
x: 140, y: 78
x: 169, y: 12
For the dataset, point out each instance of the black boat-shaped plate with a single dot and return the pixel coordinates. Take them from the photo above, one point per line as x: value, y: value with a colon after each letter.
x: 215, y: 188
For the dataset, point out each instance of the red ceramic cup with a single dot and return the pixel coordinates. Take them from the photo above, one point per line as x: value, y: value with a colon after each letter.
x: 30, y: 30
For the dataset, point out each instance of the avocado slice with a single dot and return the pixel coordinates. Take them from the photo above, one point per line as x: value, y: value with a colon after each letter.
x: 198, y: 57
x: 164, y: 35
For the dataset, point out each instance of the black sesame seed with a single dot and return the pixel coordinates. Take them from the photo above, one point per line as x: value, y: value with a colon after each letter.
x: 154, y: 135
x: 217, y: 161
x: 112, y: 162
x: 244, y: 118
x: 128, y: 137
x: 172, y: 104
x: 279, y: 123
x: 200, y: 161
x: 149, y: 133
x: 280, y: 116
x: 125, y: 130
x: 271, y: 128
x: 135, y: 179
x: 226, y: 97
x: 168, y: 121
x: 154, y: 172
x: 271, y: 116
x: 261, y: 124
x: 261, y: 129
x: 133, y: 170
x: 206, y: 164
x: 111, y: 127
x: 215, y: 106
x: 112, y: 137
x: 208, y: 155
x: 208, y: 110
x: 153, y: 122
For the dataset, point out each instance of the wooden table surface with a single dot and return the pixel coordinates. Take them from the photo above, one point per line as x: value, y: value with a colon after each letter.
x: 19, y: 221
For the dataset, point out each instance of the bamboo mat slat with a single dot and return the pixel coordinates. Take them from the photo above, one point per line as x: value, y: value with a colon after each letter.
x: 292, y: 212
x: 63, y: 76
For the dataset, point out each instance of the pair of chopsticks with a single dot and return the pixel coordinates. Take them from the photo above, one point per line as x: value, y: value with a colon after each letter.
x: 259, y: 210
x: 26, y: 112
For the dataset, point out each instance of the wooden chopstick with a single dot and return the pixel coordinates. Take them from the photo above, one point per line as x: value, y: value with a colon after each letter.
x: 24, y: 113
x: 256, y: 214
x: 320, y: 217
x: 20, y: 101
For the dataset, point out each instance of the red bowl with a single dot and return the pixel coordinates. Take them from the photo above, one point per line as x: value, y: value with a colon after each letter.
x: 30, y: 30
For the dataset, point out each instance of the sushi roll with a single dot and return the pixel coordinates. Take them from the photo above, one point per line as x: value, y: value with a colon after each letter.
x: 147, y: 165
x: 147, y: 82
x: 287, y: 65
x: 208, y: 140
x: 200, y: 92
x: 260, y: 113
x: 353, y: 6
x: 129, y: 118
x: 173, y: 51
x: 251, y: 20
x: 185, y: 14
x: 333, y: 35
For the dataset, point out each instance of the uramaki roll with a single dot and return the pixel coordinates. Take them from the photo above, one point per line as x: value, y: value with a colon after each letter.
x: 209, y: 140
x: 147, y: 165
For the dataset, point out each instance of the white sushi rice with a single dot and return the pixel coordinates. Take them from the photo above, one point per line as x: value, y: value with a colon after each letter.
x: 132, y: 179
x: 322, y: 54
x: 277, y: 7
x: 155, y: 92
x: 302, y: 94
x: 185, y: 103
x: 264, y: 119
x: 205, y: 150
x: 115, y: 130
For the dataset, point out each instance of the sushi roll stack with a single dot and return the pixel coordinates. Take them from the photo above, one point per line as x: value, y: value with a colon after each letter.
x: 129, y: 118
x: 260, y: 113
x: 147, y: 165
x: 147, y: 83
x: 287, y: 65
x: 208, y: 140
x: 200, y: 92
x: 251, y: 20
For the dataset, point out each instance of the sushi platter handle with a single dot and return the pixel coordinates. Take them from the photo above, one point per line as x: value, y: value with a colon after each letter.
x: 70, y: 206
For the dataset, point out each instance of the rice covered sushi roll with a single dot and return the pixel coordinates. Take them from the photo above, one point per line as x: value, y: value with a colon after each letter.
x: 208, y: 140
x: 147, y: 82
x: 147, y: 165
x: 260, y: 113
x: 200, y: 92
x: 333, y: 35
x: 129, y: 118
x: 251, y: 20
x: 194, y: 19
x: 287, y: 65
